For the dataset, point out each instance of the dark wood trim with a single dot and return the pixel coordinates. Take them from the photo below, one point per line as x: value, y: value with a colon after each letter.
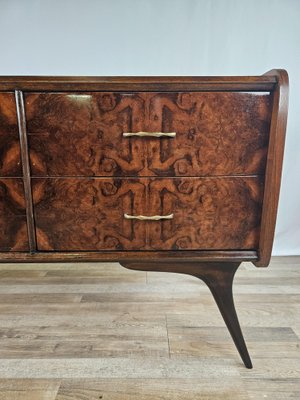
x: 274, y: 166
x: 218, y: 276
x: 26, y: 169
x: 152, y: 83
x: 228, y: 176
x: 132, y: 256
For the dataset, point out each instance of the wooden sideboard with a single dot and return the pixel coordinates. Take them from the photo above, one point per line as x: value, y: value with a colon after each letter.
x: 174, y: 174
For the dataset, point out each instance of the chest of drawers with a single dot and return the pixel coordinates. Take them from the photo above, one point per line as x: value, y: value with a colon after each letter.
x: 175, y: 174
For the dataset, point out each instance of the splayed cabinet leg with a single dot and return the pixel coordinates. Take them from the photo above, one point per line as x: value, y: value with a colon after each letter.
x: 219, y: 278
x: 220, y: 282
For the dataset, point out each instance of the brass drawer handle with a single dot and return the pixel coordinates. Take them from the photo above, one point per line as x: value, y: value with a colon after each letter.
x: 150, y: 218
x: 150, y: 134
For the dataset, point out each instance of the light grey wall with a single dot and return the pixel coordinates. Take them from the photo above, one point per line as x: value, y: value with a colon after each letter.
x: 165, y: 37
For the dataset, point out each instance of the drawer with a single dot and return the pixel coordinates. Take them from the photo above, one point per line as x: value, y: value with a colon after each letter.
x: 81, y: 134
x: 10, y: 159
x: 88, y: 214
x: 197, y: 213
x: 209, y: 213
x: 217, y: 133
x: 13, y: 225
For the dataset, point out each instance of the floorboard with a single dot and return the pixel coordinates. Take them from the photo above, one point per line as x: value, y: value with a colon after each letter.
x: 98, y: 331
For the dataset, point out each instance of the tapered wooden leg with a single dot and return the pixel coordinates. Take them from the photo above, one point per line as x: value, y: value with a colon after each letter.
x: 219, y: 278
x: 220, y: 285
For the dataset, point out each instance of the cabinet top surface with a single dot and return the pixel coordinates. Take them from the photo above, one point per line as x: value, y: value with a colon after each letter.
x: 146, y: 79
x: 263, y: 82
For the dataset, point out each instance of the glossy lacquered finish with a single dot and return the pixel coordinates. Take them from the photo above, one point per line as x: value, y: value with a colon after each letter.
x: 274, y: 166
x: 10, y: 158
x: 139, y: 83
x: 88, y: 214
x: 75, y: 178
x: 82, y: 134
x: 13, y: 226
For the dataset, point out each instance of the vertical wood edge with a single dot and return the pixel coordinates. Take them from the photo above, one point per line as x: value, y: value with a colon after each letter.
x: 274, y: 166
x: 26, y: 169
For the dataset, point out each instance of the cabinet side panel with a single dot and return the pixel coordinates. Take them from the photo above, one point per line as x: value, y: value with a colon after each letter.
x: 274, y: 166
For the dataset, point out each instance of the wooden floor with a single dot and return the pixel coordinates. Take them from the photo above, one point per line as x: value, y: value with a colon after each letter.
x: 90, y: 332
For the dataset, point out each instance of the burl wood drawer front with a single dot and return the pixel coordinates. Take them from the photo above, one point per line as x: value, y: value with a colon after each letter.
x: 88, y: 214
x: 209, y: 213
x: 217, y: 133
x: 10, y: 160
x: 13, y: 225
x: 205, y: 213
x: 81, y: 134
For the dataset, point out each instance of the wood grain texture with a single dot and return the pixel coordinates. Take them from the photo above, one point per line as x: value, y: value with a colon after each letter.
x: 13, y: 226
x: 209, y: 213
x: 116, y: 256
x: 140, y: 336
x: 26, y: 169
x: 10, y: 160
x: 219, y: 279
x: 217, y: 133
x: 139, y: 83
x: 172, y: 97
x: 220, y: 131
x: 81, y: 134
x: 274, y: 165
x: 88, y: 214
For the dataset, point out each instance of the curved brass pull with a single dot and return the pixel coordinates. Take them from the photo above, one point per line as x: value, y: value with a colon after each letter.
x: 150, y: 218
x: 150, y: 134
